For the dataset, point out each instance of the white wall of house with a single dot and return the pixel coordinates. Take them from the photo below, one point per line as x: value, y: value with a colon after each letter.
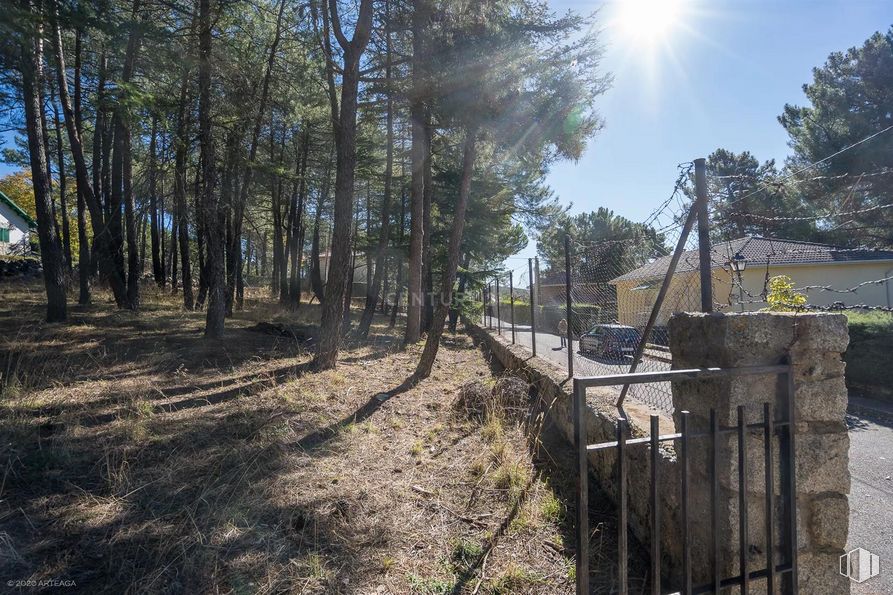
x: 18, y: 232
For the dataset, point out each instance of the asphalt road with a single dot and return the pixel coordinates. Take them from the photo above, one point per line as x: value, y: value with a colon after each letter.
x: 870, y: 423
x: 871, y: 490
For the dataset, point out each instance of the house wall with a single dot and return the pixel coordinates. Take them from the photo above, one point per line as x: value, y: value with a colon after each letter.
x: 550, y: 294
x: 839, y: 275
x: 636, y: 298
x: 18, y: 237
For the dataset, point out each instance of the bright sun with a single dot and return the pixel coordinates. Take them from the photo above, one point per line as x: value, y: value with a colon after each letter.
x: 648, y: 21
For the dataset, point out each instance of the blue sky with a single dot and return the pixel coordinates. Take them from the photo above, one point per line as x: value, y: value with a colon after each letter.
x: 718, y: 79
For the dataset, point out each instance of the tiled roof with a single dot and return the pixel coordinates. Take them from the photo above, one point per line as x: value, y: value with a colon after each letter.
x: 18, y: 211
x: 759, y: 250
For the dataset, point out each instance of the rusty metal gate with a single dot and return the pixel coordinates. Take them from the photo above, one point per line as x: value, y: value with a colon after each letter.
x: 772, y: 573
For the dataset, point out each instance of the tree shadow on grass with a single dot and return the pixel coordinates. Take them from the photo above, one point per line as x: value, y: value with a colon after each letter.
x: 189, y: 505
x: 554, y: 460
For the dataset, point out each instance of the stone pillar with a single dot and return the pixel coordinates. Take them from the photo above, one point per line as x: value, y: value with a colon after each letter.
x: 813, y: 343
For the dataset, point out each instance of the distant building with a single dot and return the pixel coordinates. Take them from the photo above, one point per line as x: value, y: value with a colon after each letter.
x: 359, y: 272
x: 15, y: 227
x: 824, y: 274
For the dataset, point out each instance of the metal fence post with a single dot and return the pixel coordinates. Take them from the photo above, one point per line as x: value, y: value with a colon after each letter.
x: 498, y: 313
x: 536, y: 269
x: 532, y: 307
x: 567, y: 291
x: 703, y: 235
x: 489, y: 309
x: 512, y: 303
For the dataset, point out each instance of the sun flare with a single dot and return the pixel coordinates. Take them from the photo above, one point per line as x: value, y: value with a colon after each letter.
x: 648, y: 21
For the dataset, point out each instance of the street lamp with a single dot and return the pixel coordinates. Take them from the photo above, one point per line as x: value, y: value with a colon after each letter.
x: 738, y: 264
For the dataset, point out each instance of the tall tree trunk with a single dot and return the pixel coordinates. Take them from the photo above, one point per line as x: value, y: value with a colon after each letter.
x: 346, y: 156
x: 182, y: 213
x: 427, y: 258
x: 45, y: 132
x: 263, y: 255
x: 83, y: 242
x: 200, y: 241
x: 463, y: 282
x: 165, y: 247
x: 242, y: 199
x: 294, y: 288
x: 228, y: 190
x: 154, y: 227
x: 214, y: 321
x: 102, y: 233
x: 50, y: 250
x: 316, y: 280
x: 291, y: 208
x: 426, y: 361
x: 373, y: 290
x: 284, y: 222
x: 123, y: 165
x: 172, y: 254
x: 63, y: 187
x: 401, y: 238
x: 418, y: 154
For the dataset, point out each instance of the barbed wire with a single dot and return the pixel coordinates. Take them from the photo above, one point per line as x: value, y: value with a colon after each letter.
x: 814, y: 164
x: 882, y: 172
x: 684, y: 173
x: 778, y: 218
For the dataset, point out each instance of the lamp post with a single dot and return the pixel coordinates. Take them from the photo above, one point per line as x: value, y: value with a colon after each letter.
x: 739, y: 263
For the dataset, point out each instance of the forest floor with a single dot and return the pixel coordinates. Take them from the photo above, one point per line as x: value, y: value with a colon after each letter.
x: 138, y: 457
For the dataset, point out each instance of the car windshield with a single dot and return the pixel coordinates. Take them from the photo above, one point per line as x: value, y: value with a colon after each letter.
x: 627, y: 334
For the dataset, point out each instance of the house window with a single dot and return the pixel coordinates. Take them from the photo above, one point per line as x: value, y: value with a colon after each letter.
x: 4, y: 234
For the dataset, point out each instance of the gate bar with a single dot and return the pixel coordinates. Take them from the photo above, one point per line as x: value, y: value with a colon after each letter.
x: 569, y: 305
x: 743, y: 547
x: 686, y: 530
x: 622, y: 499
x: 714, y: 495
x: 671, y: 375
x: 770, y: 497
x: 512, y: 302
x: 789, y: 465
x: 498, y: 313
x: 655, y: 505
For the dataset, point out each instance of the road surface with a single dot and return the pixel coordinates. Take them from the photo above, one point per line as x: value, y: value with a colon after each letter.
x: 871, y: 490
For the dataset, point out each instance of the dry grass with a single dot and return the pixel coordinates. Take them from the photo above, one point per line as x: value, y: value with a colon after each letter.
x: 138, y: 457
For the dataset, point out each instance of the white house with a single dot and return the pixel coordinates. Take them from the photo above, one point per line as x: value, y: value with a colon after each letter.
x: 15, y: 227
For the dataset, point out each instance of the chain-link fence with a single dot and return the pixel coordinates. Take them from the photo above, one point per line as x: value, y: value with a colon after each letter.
x: 613, y: 297
x: 614, y: 288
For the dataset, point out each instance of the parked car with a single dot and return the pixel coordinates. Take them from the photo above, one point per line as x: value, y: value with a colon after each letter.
x: 610, y: 341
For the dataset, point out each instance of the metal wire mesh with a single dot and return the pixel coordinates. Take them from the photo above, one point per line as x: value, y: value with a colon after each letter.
x: 614, y: 288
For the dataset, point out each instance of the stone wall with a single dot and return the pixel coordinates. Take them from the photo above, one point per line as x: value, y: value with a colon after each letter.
x: 813, y: 343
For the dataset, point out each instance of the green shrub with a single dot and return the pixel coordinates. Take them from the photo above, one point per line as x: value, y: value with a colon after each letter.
x: 868, y: 356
